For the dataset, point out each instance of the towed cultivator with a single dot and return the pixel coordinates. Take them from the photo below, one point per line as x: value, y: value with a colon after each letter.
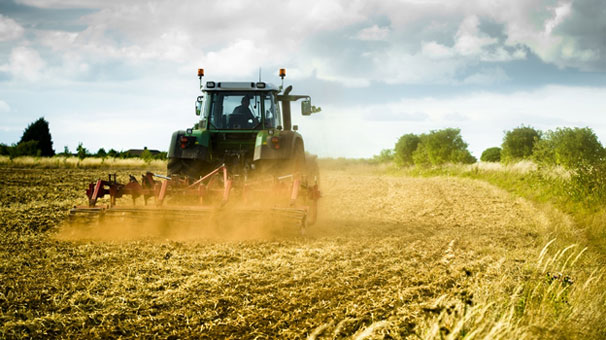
x: 286, y: 200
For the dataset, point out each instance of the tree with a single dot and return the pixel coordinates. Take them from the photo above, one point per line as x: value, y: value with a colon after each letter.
x: 519, y: 143
x: 146, y: 155
x: 82, y: 151
x: 40, y: 132
x: 101, y: 153
x: 406, y: 145
x: 66, y: 152
x: 569, y: 147
x: 491, y: 155
x: 442, y: 146
x: 112, y: 153
x: 163, y: 155
x: 5, y: 150
x: 386, y: 155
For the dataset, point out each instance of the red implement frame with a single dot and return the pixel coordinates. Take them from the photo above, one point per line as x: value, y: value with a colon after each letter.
x: 216, y: 184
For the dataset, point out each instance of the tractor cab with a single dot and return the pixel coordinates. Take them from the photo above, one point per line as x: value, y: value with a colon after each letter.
x: 243, y: 125
x: 239, y: 106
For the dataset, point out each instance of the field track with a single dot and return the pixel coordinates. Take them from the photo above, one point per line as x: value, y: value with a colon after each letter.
x: 388, y: 253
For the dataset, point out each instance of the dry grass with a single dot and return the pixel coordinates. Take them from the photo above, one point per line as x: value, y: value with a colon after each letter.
x: 522, y: 167
x: 60, y: 162
x: 390, y: 258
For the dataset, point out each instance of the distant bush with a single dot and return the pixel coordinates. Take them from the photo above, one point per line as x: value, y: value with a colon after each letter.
x: 386, y: 155
x: 406, y: 145
x: 519, y: 143
x: 101, y: 153
x: 588, y: 184
x: 82, y: 152
x: 5, y: 150
x: 66, y: 152
x: 569, y: 147
x: 161, y: 156
x: 442, y: 146
x: 491, y: 155
x: 147, y: 155
x: 29, y: 148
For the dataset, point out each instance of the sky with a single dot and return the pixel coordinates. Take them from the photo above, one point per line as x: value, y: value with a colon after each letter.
x: 122, y: 74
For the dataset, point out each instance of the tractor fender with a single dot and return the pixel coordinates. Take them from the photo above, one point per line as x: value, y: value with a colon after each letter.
x: 295, y: 139
x: 192, y: 149
x: 264, y: 148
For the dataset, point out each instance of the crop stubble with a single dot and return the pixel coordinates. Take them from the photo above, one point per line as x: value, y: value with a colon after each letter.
x: 385, y: 248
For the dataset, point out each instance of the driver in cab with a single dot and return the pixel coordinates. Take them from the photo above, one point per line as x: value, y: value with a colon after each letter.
x: 244, y: 111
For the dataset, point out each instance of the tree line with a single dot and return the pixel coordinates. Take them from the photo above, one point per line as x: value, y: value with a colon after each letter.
x: 567, y: 147
x: 37, y: 141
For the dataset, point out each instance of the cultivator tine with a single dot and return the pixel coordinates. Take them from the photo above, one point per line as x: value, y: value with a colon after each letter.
x: 295, y: 192
x: 97, y: 188
x: 162, y: 193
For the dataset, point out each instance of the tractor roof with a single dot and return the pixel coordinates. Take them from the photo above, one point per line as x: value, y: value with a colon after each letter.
x: 239, y: 86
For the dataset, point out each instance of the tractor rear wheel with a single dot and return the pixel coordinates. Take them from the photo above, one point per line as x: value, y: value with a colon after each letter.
x: 297, y: 161
x: 312, y: 181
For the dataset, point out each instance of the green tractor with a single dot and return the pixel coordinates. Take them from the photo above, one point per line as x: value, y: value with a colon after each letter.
x: 245, y: 126
x: 244, y: 157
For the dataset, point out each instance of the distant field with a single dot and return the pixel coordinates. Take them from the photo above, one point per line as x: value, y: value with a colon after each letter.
x: 391, y: 257
x: 86, y: 163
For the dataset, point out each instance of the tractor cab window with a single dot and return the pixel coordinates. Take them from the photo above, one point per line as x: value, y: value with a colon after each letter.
x: 235, y: 111
x: 272, y: 112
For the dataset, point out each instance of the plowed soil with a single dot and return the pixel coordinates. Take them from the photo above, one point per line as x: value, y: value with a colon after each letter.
x: 389, y: 252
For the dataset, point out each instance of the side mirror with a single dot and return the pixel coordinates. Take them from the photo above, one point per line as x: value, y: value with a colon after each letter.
x: 306, y: 107
x: 199, y: 105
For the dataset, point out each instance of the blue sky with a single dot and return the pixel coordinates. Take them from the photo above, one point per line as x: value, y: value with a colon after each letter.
x: 122, y: 74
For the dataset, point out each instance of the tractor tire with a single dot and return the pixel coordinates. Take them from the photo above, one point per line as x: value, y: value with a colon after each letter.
x: 312, y: 180
x: 312, y: 169
x: 297, y: 161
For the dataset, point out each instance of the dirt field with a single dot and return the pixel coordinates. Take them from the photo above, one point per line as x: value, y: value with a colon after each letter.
x: 387, y: 256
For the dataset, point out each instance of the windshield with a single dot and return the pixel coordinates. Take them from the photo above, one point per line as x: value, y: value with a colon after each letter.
x: 235, y: 110
x: 242, y: 111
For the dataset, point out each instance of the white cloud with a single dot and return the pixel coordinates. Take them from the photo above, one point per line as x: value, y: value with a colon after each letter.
x: 67, y: 3
x: 9, y: 29
x: 424, y: 42
x: 24, y: 63
x: 561, y: 12
x: 435, y: 50
x: 397, y: 66
x: 469, y: 41
x: 240, y: 58
x: 373, y: 32
x: 487, y: 77
x: 566, y: 35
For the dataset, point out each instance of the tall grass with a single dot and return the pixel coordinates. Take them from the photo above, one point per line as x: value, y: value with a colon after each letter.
x: 60, y: 162
x: 579, y: 192
x: 563, y: 295
x: 558, y: 299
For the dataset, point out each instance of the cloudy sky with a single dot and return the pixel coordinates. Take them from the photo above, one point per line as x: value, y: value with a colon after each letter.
x: 122, y: 74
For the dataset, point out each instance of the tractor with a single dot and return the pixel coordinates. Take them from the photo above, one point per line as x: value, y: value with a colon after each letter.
x: 243, y: 155
x: 245, y: 125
